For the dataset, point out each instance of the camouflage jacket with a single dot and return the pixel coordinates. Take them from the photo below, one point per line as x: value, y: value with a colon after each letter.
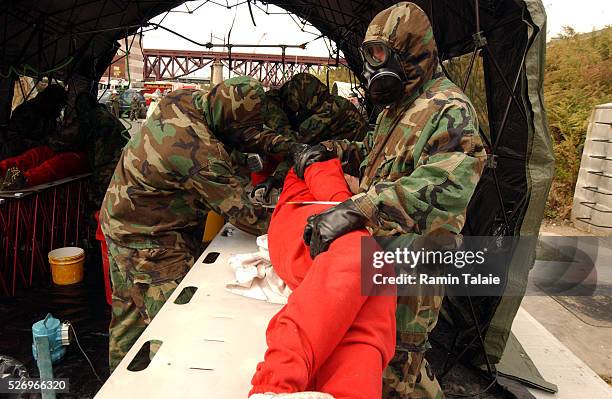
x: 419, y: 168
x: 102, y: 136
x: 304, y: 108
x: 275, y: 117
x: 105, y: 136
x: 177, y: 168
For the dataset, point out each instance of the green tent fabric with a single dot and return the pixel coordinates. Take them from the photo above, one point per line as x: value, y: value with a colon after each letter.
x: 76, y: 42
x: 516, y: 364
x: 539, y: 172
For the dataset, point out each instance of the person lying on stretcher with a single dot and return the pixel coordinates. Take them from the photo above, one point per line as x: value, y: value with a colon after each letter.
x: 329, y: 337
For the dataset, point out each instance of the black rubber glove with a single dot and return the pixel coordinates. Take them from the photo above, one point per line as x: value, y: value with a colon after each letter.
x: 255, y: 162
x: 305, y: 155
x: 322, y: 229
x: 267, y: 185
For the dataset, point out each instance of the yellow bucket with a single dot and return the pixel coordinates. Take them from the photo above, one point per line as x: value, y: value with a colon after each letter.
x: 67, y: 265
x: 214, y: 222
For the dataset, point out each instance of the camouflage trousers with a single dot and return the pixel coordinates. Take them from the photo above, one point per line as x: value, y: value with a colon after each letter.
x: 142, y: 281
x: 409, y: 375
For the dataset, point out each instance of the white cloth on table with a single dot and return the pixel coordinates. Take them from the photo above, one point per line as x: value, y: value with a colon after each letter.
x: 255, y: 276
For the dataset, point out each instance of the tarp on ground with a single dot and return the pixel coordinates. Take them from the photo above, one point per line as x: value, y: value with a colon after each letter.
x: 75, y: 41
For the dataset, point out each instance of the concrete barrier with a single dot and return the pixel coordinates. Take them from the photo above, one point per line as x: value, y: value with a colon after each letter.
x: 592, y: 205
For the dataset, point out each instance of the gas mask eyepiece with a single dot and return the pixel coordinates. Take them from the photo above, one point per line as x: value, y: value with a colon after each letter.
x: 384, y: 73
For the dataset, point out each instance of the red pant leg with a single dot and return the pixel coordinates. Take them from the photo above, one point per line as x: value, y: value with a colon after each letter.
x: 351, y: 372
x: 354, y: 369
x: 322, y: 315
x: 29, y: 159
x: 58, y: 167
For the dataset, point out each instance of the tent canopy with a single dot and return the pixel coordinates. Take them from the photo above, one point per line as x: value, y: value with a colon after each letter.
x: 75, y: 42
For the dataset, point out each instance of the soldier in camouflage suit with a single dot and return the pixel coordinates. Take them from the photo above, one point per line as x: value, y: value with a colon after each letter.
x: 171, y: 173
x: 134, y: 108
x: 113, y: 102
x: 304, y: 110
x: 418, y: 170
x: 104, y: 137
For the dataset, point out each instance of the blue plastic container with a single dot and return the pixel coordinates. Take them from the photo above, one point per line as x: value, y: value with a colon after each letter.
x: 51, y: 328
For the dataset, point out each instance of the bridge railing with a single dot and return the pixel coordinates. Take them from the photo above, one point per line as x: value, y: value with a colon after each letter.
x: 270, y: 69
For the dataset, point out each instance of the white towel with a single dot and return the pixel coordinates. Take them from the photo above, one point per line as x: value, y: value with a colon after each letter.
x: 255, y: 276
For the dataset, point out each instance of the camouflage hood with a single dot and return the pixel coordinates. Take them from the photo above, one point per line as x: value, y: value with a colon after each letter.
x: 234, y: 112
x: 406, y: 29
x: 303, y: 93
x: 234, y: 104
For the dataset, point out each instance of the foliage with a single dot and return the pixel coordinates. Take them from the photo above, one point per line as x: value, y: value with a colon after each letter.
x: 578, y: 76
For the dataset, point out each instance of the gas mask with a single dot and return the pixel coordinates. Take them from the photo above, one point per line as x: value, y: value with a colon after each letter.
x: 384, y: 73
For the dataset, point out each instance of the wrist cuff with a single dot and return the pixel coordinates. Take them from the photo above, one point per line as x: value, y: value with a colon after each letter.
x: 366, y: 206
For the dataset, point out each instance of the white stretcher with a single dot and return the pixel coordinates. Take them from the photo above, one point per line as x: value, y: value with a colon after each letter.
x: 211, y: 345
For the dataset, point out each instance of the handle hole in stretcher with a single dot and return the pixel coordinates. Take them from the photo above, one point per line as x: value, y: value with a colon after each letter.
x: 185, y: 296
x: 145, y: 355
x: 211, y: 257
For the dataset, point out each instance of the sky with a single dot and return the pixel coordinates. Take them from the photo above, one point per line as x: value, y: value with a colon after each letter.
x: 211, y: 19
x: 582, y: 15
x: 204, y: 21
x: 280, y: 28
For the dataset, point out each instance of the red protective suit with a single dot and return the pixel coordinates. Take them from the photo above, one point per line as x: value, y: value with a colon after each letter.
x: 42, y: 165
x: 328, y: 338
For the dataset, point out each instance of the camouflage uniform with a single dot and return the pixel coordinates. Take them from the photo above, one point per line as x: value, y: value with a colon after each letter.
x: 104, y: 136
x: 418, y: 170
x: 275, y: 116
x: 134, y: 108
x: 315, y: 114
x: 113, y: 103
x: 171, y: 173
x: 96, y: 131
x: 304, y: 110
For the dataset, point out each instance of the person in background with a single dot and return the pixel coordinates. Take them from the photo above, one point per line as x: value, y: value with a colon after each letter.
x: 113, y: 102
x: 33, y: 121
x: 103, y: 136
x: 170, y: 174
x: 134, y: 108
x: 417, y: 172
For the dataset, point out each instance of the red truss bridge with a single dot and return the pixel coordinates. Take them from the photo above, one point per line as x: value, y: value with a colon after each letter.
x: 270, y: 69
